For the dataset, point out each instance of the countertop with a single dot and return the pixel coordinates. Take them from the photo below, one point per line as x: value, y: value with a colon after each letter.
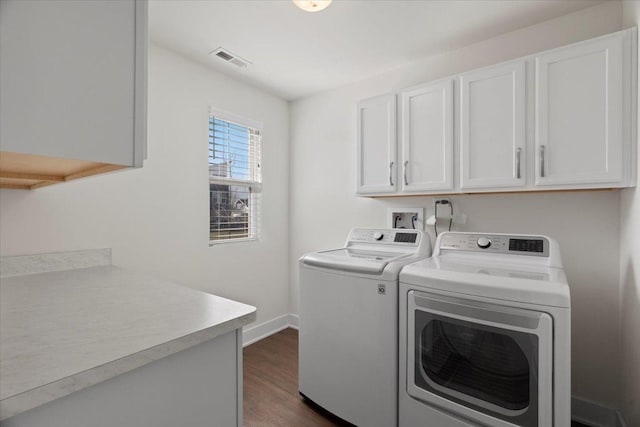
x: 62, y: 331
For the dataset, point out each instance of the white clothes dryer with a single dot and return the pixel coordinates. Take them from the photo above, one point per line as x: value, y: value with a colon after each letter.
x: 348, y: 339
x: 485, y: 334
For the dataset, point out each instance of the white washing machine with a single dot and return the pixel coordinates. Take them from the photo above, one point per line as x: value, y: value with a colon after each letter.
x: 485, y: 335
x: 348, y: 340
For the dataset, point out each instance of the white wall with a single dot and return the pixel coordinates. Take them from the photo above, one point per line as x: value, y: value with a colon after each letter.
x: 630, y: 280
x: 324, y: 206
x: 156, y: 218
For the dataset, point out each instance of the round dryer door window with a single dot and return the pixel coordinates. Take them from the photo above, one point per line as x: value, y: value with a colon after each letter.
x: 463, y: 355
x: 486, y: 364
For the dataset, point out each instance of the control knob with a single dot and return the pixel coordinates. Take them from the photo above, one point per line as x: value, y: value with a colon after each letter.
x: 483, y: 242
x: 377, y: 235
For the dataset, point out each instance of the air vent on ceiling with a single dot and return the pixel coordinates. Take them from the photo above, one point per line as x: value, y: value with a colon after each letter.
x: 230, y: 57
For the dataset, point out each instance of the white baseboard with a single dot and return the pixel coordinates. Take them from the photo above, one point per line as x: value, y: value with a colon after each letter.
x: 255, y: 333
x: 595, y: 415
x: 293, y: 320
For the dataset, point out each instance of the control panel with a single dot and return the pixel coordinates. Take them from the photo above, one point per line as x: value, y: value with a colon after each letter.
x: 496, y: 243
x: 382, y: 236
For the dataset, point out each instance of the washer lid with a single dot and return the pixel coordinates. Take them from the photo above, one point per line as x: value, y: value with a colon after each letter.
x: 349, y: 259
x: 543, y: 286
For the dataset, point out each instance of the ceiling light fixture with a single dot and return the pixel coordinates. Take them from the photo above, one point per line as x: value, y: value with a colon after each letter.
x: 312, y: 5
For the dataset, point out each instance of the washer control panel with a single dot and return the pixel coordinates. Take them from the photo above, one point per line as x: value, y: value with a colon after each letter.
x: 496, y: 243
x: 381, y: 236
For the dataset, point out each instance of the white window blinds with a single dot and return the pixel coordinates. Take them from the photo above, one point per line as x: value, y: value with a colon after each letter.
x: 235, y: 179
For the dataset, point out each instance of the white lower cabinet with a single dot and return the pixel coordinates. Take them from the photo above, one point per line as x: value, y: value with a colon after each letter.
x: 493, y: 127
x: 199, y: 386
x: 427, y: 137
x: 582, y: 121
x: 562, y: 119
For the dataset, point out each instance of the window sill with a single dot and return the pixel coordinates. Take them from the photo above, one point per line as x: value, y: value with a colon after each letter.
x: 228, y: 241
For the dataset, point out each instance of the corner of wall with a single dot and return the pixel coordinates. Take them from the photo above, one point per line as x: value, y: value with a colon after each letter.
x: 629, y: 317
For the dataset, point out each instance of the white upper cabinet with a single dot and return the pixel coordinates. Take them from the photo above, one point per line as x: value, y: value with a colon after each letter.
x: 492, y: 127
x: 426, y: 157
x: 73, y: 83
x: 563, y: 119
x: 582, y: 113
x: 376, y: 145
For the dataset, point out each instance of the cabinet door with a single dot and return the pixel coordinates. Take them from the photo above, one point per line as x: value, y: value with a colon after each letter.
x: 492, y: 127
x: 72, y: 79
x: 376, y: 145
x: 427, y: 137
x: 579, y: 107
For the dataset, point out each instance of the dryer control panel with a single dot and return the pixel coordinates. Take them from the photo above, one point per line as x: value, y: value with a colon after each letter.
x: 496, y: 243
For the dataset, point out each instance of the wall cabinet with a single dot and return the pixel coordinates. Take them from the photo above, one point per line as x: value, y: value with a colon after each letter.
x: 580, y: 114
x: 426, y: 153
x: 492, y: 127
x: 376, y: 151
x: 562, y: 119
x: 73, y: 84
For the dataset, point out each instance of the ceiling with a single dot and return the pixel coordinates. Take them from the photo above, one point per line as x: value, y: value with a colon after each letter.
x: 295, y: 53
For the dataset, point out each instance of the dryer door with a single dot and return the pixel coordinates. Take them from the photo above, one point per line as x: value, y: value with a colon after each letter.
x: 485, y: 362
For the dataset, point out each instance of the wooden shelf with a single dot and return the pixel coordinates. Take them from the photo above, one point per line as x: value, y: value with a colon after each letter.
x: 20, y: 171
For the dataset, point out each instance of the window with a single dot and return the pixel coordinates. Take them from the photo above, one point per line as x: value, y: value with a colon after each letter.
x: 234, y: 178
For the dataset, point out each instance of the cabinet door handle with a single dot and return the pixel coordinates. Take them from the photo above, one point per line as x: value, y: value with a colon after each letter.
x: 542, y: 150
x: 406, y: 182
x: 391, y: 174
x: 518, y: 154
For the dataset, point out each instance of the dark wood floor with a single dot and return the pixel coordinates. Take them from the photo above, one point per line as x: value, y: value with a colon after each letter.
x: 271, y: 396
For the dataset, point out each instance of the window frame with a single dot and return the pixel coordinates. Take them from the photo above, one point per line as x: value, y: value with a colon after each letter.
x: 254, y: 187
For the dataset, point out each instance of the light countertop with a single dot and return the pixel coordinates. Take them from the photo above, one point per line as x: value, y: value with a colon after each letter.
x: 62, y: 331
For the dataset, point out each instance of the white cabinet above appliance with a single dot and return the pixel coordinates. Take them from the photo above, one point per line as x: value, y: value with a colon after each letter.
x: 376, y: 135
x: 426, y: 153
x: 493, y: 126
x: 559, y: 120
x: 583, y: 120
